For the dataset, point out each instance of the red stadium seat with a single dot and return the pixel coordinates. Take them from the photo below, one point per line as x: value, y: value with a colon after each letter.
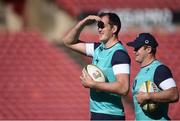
x: 39, y: 81
x: 76, y: 7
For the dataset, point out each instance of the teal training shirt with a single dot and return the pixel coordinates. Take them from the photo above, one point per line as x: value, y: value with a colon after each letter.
x: 104, y: 102
x: 147, y: 73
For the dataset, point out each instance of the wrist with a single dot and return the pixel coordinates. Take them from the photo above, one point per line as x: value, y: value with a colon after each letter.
x: 92, y: 85
x: 149, y: 97
x: 83, y: 22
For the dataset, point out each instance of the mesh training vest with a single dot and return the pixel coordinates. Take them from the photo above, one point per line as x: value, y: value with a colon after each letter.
x: 147, y: 73
x: 104, y: 102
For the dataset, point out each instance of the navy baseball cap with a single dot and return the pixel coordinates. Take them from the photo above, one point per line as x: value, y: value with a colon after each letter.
x: 143, y: 39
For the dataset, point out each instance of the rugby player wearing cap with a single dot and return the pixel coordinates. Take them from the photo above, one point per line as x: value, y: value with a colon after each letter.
x: 151, y: 69
x: 112, y: 58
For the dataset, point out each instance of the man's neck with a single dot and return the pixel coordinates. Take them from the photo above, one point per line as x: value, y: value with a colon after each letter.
x: 112, y: 41
x: 147, y: 61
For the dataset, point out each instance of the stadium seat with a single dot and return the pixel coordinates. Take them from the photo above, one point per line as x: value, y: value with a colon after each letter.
x: 76, y: 7
x: 38, y: 80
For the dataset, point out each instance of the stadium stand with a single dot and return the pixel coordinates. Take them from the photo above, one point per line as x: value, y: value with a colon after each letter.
x: 76, y: 7
x: 35, y: 77
x: 38, y: 81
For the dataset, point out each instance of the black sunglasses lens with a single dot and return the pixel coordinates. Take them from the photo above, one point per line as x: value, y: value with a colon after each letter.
x: 100, y: 24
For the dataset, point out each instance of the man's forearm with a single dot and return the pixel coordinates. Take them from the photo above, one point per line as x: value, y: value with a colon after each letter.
x: 170, y: 95
x: 73, y: 36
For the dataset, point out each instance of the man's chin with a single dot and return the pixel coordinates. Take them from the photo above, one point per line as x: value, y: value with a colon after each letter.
x: 103, y: 41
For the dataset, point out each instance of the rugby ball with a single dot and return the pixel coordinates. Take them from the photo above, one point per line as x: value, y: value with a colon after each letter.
x: 149, y: 86
x: 95, y: 73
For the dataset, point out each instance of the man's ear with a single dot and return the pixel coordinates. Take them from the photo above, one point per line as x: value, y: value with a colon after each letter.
x: 149, y: 49
x: 114, y: 28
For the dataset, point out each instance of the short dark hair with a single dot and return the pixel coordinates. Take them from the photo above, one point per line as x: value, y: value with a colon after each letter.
x: 113, y: 20
x: 153, y: 49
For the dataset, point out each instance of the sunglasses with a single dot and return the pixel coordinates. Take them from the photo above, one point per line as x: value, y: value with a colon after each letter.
x: 100, y: 24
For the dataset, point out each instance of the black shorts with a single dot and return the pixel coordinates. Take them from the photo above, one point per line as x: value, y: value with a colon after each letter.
x: 100, y: 116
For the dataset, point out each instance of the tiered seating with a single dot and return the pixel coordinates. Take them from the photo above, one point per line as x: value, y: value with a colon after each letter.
x: 38, y: 81
x: 76, y: 7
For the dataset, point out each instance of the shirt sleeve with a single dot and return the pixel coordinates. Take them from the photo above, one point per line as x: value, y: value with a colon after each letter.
x: 121, y: 62
x: 90, y: 47
x: 163, y: 78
